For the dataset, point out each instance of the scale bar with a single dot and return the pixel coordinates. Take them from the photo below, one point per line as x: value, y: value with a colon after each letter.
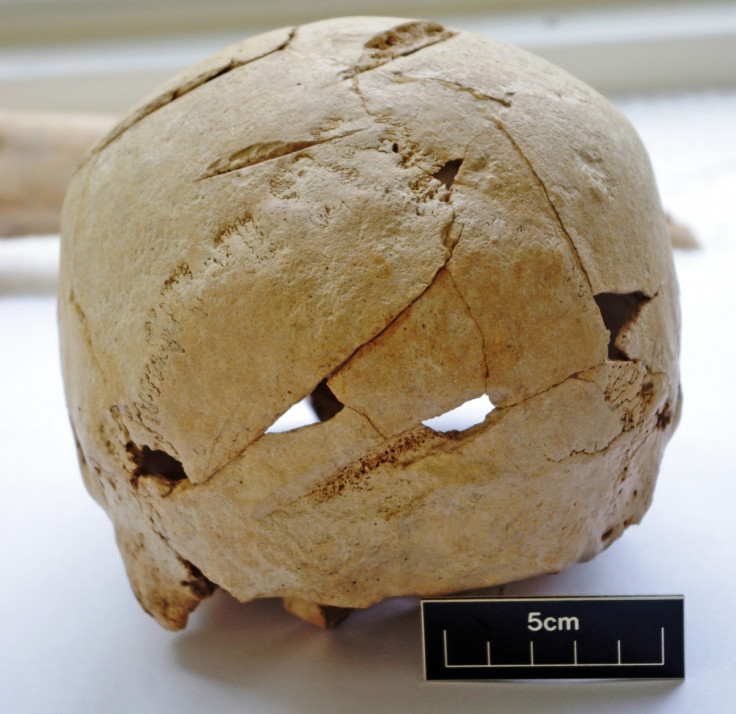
x: 532, y: 663
x: 554, y: 638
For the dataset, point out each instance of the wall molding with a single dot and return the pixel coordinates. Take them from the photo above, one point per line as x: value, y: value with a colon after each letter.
x: 42, y: 21
x: 618, y: 49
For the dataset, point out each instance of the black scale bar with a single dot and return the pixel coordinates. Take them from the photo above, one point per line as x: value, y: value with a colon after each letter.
x: 554, y: 638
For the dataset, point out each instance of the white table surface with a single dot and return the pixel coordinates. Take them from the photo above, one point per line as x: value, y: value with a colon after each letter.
x: 73, y: 639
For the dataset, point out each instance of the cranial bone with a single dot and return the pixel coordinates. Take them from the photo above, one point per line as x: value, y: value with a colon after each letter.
x: 396, y: 218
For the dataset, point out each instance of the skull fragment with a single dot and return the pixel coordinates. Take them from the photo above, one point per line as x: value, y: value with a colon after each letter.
x: 398, y: 219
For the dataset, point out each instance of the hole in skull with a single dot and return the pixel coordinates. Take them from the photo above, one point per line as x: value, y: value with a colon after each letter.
x: 154, y: 462
x: 319, y: 406
x: 324, y: 402
x: 617, y: 311
x: 468, y: 414
x: 298, y: 415
x: 446, y: 174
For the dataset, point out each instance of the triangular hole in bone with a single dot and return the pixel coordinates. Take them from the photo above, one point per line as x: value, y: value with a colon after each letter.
x: 324, y: 402
x: 446, y: 173
x: 468, y: 414
x: 320, y: 405
x: 619, y: 310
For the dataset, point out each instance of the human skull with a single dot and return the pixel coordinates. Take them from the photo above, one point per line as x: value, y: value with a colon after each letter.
x: 395, y: 218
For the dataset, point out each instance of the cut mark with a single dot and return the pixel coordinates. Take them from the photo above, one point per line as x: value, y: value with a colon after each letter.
x: 400, y: 41
x: 265, y: 151
x: 154, y: 462
x: 472, y: 412
x: 407, y: 36
x: 446, y: 174
x: 186, y: 87
x: 321, y: 405
x: 619, y: 310
x: 505, y: 100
